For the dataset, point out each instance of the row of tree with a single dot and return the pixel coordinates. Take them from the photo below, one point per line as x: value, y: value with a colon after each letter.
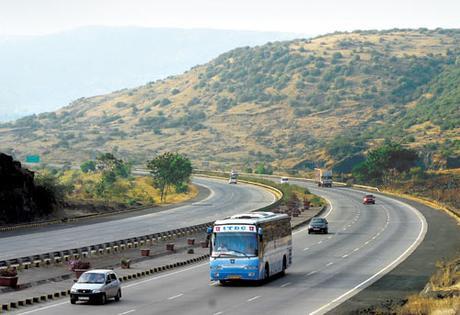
x: 169, y: 170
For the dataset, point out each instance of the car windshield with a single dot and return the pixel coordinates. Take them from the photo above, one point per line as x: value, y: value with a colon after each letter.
x: 234, y: 244
x: 91, y: 277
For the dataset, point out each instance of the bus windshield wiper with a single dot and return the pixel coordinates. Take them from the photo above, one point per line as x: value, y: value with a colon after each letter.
x: 236, y: 251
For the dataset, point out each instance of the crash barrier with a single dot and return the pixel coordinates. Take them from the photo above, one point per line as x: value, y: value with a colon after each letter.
x: 62, y: 256
x: 133, y: 276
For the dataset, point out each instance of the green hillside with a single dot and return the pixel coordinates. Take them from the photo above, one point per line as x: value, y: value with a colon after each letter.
x: 291, y: 104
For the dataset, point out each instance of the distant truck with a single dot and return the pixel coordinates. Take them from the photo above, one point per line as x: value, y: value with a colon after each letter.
x: 323, y: 178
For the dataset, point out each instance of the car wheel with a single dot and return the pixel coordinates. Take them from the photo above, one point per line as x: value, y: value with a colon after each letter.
x: 309, y: 232
x: 103, y: 299
x: 118, y: 296
x: 325, y: 231
x: 73, y: 301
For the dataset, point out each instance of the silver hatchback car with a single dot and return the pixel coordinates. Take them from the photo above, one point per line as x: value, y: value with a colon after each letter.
x: 96, y: 286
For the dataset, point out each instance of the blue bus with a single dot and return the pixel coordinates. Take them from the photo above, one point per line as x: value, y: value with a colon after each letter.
x: 252, y: 246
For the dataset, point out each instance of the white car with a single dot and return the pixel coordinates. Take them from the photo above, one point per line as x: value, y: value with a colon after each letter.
x: 96, y: 286
x: 232, y: 181
x: 284, y: 180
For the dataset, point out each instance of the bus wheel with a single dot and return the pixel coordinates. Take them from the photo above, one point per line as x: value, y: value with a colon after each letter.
x: 266, y: 272
x: 283, y: 271
x: 223, y: 282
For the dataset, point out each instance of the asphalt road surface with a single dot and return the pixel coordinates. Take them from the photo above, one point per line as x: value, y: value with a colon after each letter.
x: 364, y: 243
x: 224, y: 200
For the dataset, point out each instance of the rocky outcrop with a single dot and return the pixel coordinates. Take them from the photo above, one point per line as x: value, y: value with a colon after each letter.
x: 20, y: 199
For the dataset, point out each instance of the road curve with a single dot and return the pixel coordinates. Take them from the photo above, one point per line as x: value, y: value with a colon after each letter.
x: 224, y: 200
x: 364, y: 243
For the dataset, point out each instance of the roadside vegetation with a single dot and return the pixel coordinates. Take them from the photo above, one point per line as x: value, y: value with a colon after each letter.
x: 400, y: 169
x: 440, y: 295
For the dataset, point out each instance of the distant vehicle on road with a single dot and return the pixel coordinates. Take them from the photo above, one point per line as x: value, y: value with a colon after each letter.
x: 318, y: 225
x: 233, y: 177
x: 96, y: 286
x: 369, y: 199
x: 323, y: 177
x: 243, y: 246
x: 284, y: 180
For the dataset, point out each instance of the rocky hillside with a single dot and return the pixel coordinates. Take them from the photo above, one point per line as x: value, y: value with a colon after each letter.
x: 292, y: 104
x: 20, y: 199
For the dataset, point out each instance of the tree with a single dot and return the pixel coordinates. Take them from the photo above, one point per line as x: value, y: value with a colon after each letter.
x: 390, y: 158
x: 88, y: 166
x: 262, y: 169
x: 169, y: 169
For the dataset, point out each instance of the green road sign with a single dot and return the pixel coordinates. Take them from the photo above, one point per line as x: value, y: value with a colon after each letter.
x: 32, y: 159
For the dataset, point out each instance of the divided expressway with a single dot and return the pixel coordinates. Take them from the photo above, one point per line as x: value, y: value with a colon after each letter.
x: 364, y: 243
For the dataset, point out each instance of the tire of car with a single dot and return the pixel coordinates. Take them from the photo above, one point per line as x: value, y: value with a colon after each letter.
x: 103, y: 299
x: 309, y: 232
x: 325, y: 231
x: 118, y: 296
x: 73, y: 301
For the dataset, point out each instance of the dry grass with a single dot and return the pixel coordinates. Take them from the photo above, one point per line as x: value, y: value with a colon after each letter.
x: 417, y: 305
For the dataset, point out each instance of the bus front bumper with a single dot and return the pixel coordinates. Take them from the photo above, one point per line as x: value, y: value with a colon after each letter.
x: 234, y: 274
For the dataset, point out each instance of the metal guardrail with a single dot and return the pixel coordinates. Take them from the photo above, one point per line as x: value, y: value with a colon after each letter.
x: 61, y: 256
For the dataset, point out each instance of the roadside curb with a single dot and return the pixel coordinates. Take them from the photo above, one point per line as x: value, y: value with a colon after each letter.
x: 61, y: 256
x: 133, y: 276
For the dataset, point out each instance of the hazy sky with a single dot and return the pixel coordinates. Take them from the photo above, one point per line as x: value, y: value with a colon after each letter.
x: 30, y: 17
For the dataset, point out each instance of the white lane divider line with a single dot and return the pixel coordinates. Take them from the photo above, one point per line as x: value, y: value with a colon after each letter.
x: 175, y: 296
x: 366, y: 242
x: 44, y: 308
x: 356, y: 249
x: 329, y: 264
x: 330, y: 237
x: 306, y: 248
x: 345, y: 256
x: 320, y: 242
x: 254, y: 298
x: 285, y: 285
x: 311, y: 273
x: 127, y: 312
x: 382, y: 271
x: 218, y: 313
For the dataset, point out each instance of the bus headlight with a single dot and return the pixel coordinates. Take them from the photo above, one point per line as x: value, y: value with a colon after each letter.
x: 216, y: 267
x: 250, y: 267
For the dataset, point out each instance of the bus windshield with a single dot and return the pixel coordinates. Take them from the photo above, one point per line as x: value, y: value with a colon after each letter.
x: 234, y: 244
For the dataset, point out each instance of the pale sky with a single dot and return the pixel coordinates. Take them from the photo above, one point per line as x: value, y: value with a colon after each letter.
x: 35, y: 17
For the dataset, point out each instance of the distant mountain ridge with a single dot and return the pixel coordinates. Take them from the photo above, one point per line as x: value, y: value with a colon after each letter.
x: 292, y: 104
x: 43, y: 73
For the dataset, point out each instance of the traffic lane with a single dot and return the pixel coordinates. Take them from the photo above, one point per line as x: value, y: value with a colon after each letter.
x: 190, y: 292
x: 224, y: 200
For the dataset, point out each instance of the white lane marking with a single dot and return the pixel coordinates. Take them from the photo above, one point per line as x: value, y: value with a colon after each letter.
x: 330, y: 237
x: 44, y: 308
x: 285, y: 285
x: 175, y: 296
x: 345, y: 256
x: 356, y: 249
x: 218, y: 313
x: 328, y: 264
x: 320, y: 242
x: 165, y: 275
x: 382, y: 271
x: 366, y: 242
x: 311, y: 273
x: 127, y: 312
x: 254, y: 298
x: 306, y: 248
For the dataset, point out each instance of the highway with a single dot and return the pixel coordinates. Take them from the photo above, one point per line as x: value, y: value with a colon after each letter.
x: 224, y: 200
x: 364, y: 243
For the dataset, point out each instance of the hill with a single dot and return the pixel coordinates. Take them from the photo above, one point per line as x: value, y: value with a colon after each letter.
x: 293, y: 104
x: 43, y: 73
